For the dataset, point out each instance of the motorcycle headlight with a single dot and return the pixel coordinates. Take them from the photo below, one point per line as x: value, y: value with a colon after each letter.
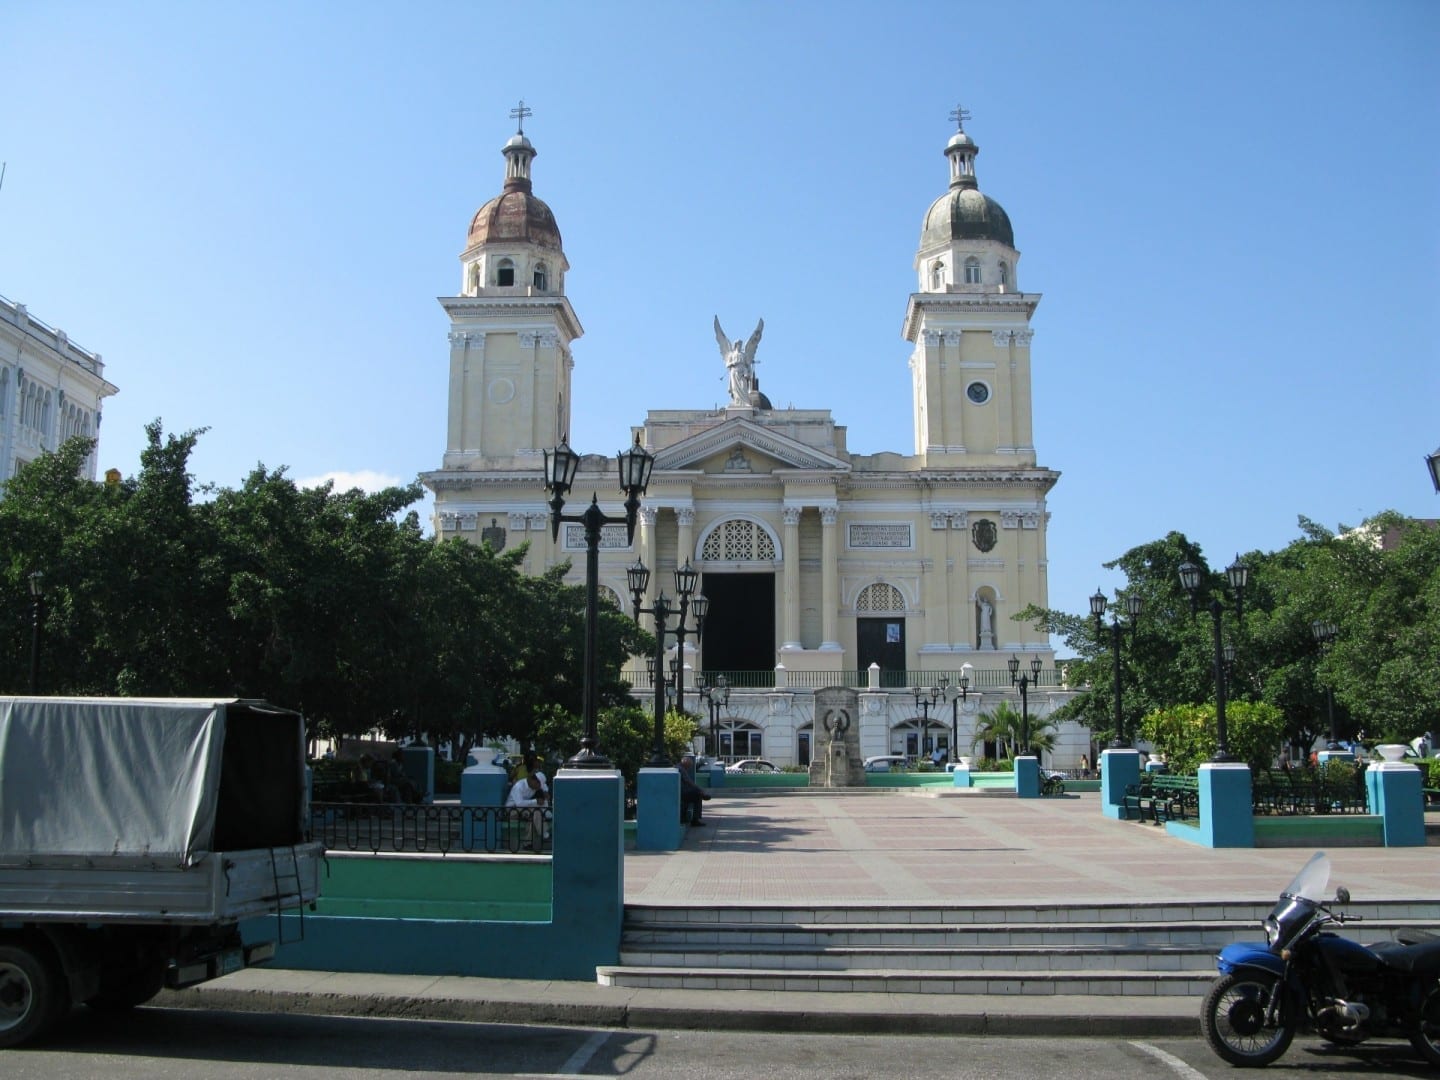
x: 1272, y: 930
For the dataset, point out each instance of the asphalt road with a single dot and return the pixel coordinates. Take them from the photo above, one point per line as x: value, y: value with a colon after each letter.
x: 174, y: 1044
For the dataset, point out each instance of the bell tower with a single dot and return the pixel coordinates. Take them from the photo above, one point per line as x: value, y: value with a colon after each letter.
x: 970, y: 324
x: 511, y: 325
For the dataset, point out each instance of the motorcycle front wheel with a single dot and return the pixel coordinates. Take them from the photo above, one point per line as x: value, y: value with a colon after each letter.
x: 1426, y: 1039
x: 1233, y: 1019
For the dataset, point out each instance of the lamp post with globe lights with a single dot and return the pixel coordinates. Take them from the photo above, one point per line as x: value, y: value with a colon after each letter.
x: 1133, y: 606
x: 687, y: 578
x: 1237, y: 574
x: 561, y: 464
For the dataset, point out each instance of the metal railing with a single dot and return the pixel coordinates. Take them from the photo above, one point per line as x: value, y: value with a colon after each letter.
x: 443, y: 830
x: 890, y: 679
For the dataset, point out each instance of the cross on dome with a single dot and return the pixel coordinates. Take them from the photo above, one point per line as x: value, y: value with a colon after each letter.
x: 959, y: 114
x: 519, y: 113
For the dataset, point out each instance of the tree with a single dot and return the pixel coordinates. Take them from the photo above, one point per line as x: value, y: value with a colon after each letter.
x: 1186, y: 734
x: 1004, y: 725
x: 1384, y: 600
x: 332, y: 603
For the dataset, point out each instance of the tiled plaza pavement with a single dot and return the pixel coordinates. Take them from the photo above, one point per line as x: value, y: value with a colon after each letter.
x: 972, y: 848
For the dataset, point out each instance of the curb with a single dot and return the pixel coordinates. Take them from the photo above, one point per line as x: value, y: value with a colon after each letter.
x: 1044, y: 1016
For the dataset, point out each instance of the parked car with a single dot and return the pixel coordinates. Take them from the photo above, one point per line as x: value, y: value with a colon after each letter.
x: 753, y: 765
x: 885, y: 763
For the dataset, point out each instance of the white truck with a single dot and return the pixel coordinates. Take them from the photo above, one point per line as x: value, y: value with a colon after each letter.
x: 135, y: 835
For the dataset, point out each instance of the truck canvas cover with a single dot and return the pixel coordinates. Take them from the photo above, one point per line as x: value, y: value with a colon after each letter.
x: 166, y: 780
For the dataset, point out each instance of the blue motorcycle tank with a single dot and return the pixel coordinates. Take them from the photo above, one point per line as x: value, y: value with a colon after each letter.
x: 1251, y: 954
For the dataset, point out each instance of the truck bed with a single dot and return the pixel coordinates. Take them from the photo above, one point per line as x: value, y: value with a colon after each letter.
x: 220, y: 887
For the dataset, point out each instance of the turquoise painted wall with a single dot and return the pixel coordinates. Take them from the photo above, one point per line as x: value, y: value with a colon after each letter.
x: 585, y: 896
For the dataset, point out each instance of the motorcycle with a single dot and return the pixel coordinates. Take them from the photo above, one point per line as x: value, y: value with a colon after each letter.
x: 1306, y: 975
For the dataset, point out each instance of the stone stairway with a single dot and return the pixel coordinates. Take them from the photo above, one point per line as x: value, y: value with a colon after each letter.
x: 1086, y: 949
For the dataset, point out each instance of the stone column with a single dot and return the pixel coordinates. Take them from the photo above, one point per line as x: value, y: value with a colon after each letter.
x: 649, y: 526
x: 657, y: 813
x: 1119, y: 769
x: 790, y: 637
x: 830, y: 578
x: 1227, y: 818
x: 1395, y: 793
x: 684, y: 550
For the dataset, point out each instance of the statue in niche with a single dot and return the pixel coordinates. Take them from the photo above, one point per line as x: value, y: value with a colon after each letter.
x: 837, y: 722
x: 739, y: 362
x: 987, y: 623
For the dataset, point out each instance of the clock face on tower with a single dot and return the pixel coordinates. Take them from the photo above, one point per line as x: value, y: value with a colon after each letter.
x: 978, y: 392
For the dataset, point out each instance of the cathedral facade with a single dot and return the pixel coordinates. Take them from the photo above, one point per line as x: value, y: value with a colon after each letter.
x: 896, y: 574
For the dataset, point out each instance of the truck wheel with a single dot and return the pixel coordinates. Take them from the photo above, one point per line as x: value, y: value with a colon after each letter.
x: 33, y: 993
x: 124, y: 986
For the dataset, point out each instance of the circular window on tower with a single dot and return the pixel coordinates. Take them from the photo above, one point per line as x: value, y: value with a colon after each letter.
x: 978, y: 392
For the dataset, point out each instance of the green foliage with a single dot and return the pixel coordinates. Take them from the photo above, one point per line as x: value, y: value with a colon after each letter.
x: 1185, y: 734
x: 333, y: 603
x: 1005, y: 725
x: 1383, y: 599
x: 1432, y: 773
x: 625, y: 734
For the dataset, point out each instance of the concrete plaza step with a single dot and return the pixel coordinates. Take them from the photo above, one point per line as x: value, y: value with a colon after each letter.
x: 1158, y: 948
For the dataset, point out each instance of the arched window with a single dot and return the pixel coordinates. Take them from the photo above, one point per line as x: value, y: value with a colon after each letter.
x: 881, y: 596
x: 739, y: 739
x: 542, y: 277
x: 972, y: 271
x: 505, y: 272
x: 1004, y: 272
x: 474, y: 277
x: 937, y: 274
x: 738, y: 541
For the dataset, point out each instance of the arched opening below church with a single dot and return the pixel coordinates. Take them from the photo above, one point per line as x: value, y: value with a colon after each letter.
x: 920, y: 738
x: 740, y: 739
x: 739, y: 638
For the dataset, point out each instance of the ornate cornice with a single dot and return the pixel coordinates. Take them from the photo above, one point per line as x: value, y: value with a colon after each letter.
x: 745, y: 433
x: 466, y: 308
x: 965, y: 304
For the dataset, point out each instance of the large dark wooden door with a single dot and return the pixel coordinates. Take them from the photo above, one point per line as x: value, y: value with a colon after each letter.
x: 882, y: 641
x: 740, y: 626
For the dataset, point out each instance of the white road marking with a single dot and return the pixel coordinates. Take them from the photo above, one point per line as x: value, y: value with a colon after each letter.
x: 1178, y: 1067
x: 580, y: 1058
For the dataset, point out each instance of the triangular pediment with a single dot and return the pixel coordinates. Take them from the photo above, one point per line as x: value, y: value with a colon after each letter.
x: 758, y: 447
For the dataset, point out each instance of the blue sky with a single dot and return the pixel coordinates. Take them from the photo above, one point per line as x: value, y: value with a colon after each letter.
x: 1232, y: 210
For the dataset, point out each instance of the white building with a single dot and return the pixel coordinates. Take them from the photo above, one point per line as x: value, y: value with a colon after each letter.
x: 50, y: 390
x: 822, y: 567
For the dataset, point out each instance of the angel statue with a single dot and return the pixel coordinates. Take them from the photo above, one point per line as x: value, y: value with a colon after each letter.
x: 739, y: 362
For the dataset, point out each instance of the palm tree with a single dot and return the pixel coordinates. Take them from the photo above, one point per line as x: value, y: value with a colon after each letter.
x: 1004, y: 726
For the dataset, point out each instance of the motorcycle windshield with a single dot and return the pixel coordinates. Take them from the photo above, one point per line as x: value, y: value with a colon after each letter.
x: 1310, y: 883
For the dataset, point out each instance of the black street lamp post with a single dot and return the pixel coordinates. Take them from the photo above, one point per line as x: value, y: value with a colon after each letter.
x: 1324, y: 633
x: 716, y: 698
x: 1133, y: 605
x: 561, y: 465
x: 957, y: 694
x: 1024, y: 683
x: 686, y: 579
x: 923, y: 701
x: 37, y: 607
x: 1238, y: 575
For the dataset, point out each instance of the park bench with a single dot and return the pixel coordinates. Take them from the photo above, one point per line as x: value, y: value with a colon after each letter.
x: 1307, y: 791
x: 1176, y: 798
x: 1160, y: 797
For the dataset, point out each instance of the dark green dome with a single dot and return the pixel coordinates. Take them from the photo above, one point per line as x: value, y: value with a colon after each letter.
x: 963, y: 213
